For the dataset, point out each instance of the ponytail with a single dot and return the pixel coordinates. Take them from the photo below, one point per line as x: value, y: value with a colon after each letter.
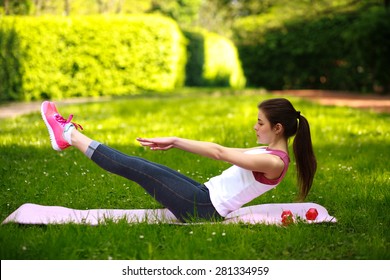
x: 280, y: 110
x: 305, y: 159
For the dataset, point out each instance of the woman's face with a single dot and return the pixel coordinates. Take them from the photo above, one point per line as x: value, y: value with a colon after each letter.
x: 263, y: 129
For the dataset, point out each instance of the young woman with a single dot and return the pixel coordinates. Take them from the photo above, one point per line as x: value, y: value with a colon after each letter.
x: 253, y: 172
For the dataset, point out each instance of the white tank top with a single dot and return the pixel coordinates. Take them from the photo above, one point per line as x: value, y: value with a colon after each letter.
x: 237, y: 186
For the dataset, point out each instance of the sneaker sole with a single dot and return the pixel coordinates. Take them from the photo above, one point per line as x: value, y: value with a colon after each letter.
x: 51, y: 132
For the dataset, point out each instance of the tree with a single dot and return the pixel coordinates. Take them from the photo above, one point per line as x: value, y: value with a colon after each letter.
x: 6, y: 7
x: 67, y: 7
x: 185, y: 12
x: 17, y: 7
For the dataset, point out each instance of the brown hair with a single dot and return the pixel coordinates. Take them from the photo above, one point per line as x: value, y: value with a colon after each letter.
x: 280, y: 110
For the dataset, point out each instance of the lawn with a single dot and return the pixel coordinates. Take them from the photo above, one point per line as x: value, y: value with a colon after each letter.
x: 352, y: 182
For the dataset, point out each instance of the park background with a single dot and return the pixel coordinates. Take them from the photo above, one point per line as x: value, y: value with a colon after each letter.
x: 201, y: 67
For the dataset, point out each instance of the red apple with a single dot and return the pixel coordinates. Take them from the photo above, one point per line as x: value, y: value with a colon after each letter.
x: 286, y: 213
x: 311, y: 214
x: 287, y: 217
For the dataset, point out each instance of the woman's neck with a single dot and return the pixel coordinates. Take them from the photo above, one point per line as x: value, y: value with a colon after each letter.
x: 280, y: 144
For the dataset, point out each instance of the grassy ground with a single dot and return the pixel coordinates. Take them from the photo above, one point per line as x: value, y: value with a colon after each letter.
x: 352, y: 182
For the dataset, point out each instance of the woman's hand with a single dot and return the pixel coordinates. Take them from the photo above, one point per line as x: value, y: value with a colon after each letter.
x: 161, y: 143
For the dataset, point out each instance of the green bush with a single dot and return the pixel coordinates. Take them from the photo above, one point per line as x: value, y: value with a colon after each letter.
x: 54, y: 57
x: 212, y: 61
x: 11, y: 72
x: 336, y: 51
x: 368, y: 38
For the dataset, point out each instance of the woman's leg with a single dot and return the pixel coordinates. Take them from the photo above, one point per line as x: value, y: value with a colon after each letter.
x: 183, y: 196
x: 83, y: 143
x: 80, y: 141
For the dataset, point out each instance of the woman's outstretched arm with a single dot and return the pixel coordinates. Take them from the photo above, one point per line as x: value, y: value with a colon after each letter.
x: 266, y: 163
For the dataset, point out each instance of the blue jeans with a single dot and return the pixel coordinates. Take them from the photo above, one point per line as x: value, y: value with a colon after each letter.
x: 183, y: 196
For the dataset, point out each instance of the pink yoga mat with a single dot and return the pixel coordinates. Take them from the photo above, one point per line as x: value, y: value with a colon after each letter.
x: 35, y: 214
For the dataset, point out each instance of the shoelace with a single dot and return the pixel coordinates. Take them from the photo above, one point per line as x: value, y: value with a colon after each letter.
x: 63, y: 121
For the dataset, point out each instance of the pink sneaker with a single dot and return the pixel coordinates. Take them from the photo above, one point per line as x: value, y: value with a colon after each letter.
x: 55, y: 124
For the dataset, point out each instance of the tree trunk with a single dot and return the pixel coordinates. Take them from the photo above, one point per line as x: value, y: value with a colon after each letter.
x: 38, y: 7
x: 119, y: 6
x: 67, y: 7
x: 6, y: 7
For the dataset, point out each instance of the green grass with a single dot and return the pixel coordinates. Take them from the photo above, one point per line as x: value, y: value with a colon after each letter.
x: 352, y: 182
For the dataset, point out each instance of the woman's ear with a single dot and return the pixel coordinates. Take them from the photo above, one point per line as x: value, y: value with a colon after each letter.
x: 278, y: 128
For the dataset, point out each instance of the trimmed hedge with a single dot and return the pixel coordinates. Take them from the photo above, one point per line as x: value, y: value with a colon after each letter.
x: 11, y: 68
x: 212, y: 61
x: 340, y: 52
x: 56, y: 57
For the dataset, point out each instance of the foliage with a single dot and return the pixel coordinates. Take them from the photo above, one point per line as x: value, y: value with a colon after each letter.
x: 332, y: 51
x: 49, y: 57
x: 74, y: 7
x: 18, y: 7
x: 185, y: 12
x: 11, y: 71
x: 368, y: 40
x: 352, y: 182
x: 212, y: 60
x: 221, y: 15
x: 326, y: 44
x: 90, y: 56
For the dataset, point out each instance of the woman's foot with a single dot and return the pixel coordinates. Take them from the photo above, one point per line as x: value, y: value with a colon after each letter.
x: 58, y: 127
